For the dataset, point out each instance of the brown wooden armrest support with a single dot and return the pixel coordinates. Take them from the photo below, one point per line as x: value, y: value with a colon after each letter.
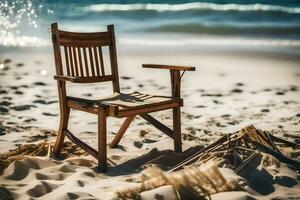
x: 170, y: 67
x: 175, y: 75
x: 65, y: 78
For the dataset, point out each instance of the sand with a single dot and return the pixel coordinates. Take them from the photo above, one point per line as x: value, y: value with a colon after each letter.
x: 227, y: 92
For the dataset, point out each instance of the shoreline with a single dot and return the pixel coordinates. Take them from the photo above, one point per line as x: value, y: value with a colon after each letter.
x: 145, y: 43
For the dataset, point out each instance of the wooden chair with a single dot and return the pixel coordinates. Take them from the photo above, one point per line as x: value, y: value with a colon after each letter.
x: 83, y: 63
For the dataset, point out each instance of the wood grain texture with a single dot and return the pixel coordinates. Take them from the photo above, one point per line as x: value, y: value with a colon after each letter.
x: 171, y: 67
x: 121, y: 132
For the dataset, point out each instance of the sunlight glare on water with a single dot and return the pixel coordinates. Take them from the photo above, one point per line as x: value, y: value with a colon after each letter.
x: 13, y: 15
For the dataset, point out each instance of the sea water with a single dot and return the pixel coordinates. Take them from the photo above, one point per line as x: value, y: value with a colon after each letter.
x: 26, y: 23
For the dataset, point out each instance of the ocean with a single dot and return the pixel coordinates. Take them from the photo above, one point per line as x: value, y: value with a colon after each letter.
x: 25, y: 23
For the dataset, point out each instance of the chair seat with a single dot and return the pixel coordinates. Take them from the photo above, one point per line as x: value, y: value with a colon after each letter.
x: 135, y: 100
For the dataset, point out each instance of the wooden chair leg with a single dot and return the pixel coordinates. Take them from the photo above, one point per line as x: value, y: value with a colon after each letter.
x: 121, y: 132
x: 102, y: 150
x: 177, y: 130
x: 64, y: 119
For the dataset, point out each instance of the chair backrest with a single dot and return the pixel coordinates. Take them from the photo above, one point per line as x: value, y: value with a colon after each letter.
x: 80, y: 55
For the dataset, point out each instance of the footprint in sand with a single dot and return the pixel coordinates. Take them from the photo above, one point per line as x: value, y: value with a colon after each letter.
x: 6, y: 61
x: 81, y: 162
x: 236, y: 90
x: 51, y: 102
x: 18, y: 170
x: 211, y: 95
x: 87, y: 95
x: 225, y: 116
x: 81, y: 195
x: 239, y: 84
x: 22, y: 107
x: 41, y: 189
x: 143, y: 133
x: 200, y: 106
x: 265, y: 110
x: 14, y: 87
x: 2, y: 131
x: 6, y: 68
x: 3, y: 92
x: 138, y: 144
x: 126, y: 77
x: 40, y: 83
x: 3, y: 110
x: 149, y: 141
x: 19, y: 64
x: 80, y: 183
x: 267, y: 90
x: 18, y: 92
x: 5, y: 103
x: 160, y: 193
x: 67, y: 169
x: 49, y: 114
x: 39, y: 101
x: 115, y: 157
x: 126, y: 88
x: 294, y: 88
x: 56, y: 176
x: 89, y: 174
x: 217, y: 102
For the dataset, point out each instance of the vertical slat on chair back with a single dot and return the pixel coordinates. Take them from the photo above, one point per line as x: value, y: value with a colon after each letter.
x: 83, y: 55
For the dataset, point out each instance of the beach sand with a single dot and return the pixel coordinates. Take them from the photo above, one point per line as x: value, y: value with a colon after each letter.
x: 228, y: 91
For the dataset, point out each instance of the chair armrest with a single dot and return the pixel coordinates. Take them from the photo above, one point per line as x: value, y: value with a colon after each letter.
x: 65, y: 78
x: 170, y: 67
x: 175, y: 75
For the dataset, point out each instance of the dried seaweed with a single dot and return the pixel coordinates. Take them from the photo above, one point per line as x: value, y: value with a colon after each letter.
x: 190, y: 183
x: 191, y: 180
x: 41, y: 149
x: 236, y: 150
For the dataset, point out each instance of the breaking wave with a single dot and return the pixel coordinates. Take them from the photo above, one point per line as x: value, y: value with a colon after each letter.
x: 191, y: 6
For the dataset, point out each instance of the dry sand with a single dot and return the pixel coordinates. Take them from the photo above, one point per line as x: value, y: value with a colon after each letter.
x: 226, y: 93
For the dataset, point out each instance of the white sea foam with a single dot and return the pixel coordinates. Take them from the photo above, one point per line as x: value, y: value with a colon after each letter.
x: 211, y: 41
x: 15, y: 40
x: 33, y: 41
x: 191, y: 6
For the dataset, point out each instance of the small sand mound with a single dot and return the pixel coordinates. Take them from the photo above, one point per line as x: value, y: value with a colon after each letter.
x: 41, y: 149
